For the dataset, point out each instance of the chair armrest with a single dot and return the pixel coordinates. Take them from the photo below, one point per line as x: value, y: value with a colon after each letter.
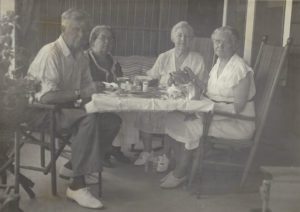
x: 234, y: 116
x: 43, y: 106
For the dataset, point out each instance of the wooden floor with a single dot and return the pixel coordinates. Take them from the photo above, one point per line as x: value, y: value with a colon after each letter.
x: 129, y: 189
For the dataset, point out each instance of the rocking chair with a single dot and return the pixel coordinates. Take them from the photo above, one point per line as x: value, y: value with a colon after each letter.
x: 268, y: 67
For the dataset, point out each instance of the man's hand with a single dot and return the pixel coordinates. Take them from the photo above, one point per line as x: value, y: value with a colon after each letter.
x: 100, y: 86
x: 85, y: 100
x: 88, y: 91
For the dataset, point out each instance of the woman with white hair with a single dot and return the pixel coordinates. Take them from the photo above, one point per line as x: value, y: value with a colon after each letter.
x: 179, y: 59
x: 104, y: 68
x: 231, y: 87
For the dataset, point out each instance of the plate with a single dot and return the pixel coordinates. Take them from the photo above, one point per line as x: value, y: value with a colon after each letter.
x: 123, y: 79
x: 111, y: 86
x: 143, y: 78
x: 137, y: 92
x: 110, y: 92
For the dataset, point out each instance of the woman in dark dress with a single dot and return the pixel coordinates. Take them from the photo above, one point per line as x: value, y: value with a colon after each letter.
x: 104, y: 68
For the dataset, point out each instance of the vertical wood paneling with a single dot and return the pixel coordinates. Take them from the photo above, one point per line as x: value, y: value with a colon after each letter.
x: 126, y: 24
x: 141, y: 26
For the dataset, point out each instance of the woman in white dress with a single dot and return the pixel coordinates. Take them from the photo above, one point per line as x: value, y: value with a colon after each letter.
x: 231, y: 87
x: 176, y: 59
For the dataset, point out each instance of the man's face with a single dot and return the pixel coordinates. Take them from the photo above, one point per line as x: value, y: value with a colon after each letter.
x: 76, y: 34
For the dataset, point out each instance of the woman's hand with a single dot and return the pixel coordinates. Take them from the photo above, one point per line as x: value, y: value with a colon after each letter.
x: 180, y: 77
x: 171, y: 80
x: 190, y: 117
x: 190, y: 73
x: 199, y: 85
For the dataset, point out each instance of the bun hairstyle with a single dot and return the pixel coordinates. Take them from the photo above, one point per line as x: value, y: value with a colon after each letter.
x: 182, y: 24
x: 96, y: 31
x: 232, y: 32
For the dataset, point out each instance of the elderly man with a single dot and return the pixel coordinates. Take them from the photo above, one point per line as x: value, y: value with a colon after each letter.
x: 64, y: 73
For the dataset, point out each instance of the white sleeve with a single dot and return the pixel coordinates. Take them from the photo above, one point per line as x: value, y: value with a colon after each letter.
x: 45, y: 69
x: 155, y: 72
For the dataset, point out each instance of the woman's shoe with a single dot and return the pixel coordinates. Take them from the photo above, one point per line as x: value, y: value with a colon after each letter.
x: 165, y: 177
x: 143, y: 158
x: 162, y: 164
x: 172, y: 182
x: 119, y: 155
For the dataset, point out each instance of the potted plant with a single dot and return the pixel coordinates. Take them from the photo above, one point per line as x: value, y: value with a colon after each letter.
x: 16, y: 89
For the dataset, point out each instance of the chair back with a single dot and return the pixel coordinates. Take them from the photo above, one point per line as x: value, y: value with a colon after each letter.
x: 205, y: 47
x: 268, y: 68
x: 135, y: 64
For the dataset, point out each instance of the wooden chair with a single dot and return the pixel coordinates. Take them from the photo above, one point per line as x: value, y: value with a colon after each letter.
x: 205, y: 47
x: 9, y: 203
x: 55, y: 145
x: 268, y: 67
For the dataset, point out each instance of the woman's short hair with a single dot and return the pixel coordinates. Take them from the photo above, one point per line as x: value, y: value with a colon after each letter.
x: 96, y: 31
x: 73, y: 14
x: 232, y: 32
x: 179, y: 25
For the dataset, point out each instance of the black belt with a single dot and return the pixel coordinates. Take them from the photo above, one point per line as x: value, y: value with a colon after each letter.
x: 225, y: 102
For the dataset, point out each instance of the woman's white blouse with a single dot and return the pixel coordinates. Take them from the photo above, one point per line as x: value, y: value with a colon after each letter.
x: 220, y: 88
x: 165, y: 64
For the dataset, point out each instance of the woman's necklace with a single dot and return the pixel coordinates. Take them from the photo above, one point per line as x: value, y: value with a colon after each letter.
x: 97, y: 63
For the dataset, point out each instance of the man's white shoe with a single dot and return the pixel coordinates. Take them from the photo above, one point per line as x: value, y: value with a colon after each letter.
x: 162, y: 164
x: 84, y: 198
x: 143, y: 158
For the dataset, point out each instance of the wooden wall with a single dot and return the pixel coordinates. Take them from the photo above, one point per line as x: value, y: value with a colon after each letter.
x: 269, y: 18
x: 142, y: 27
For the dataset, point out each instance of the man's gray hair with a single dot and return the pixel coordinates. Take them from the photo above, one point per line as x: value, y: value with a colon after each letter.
x: 179, y: 25
x: 232, y: 32
x: 96, y: 31
x: 73, y: 14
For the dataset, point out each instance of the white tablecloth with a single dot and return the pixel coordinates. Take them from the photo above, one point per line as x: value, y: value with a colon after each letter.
x: 126, y: 108
x: 111, y: 103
